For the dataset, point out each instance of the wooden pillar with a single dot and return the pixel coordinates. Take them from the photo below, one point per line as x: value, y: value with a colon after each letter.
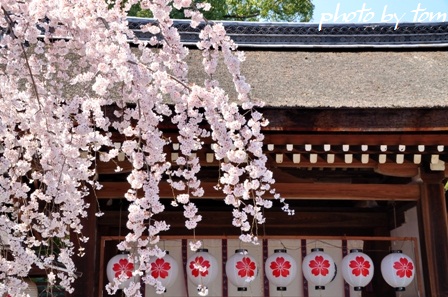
x: 87, y: 284
x: 433, y: 225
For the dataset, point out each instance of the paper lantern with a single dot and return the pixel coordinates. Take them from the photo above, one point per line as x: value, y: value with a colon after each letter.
x: 357, y: 269
x: 241, y: 269
x: 280, y: 269
x: 121, y: 265
x: 398, y: 270
x: 165, y: 270
x: 319, y: 268
x: 202, y: 269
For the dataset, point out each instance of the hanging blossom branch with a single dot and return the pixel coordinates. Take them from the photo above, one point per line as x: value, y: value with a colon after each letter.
x: 61, y: 63
x: 239, y: 141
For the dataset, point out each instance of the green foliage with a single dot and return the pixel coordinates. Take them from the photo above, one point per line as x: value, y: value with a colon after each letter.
x: 248, y: 10
x: 270, y: 10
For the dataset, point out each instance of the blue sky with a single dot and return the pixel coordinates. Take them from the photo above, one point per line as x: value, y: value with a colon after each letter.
x: 386, y: 11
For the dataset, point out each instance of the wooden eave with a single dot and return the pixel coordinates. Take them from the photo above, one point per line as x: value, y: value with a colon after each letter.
x: 300, y: 143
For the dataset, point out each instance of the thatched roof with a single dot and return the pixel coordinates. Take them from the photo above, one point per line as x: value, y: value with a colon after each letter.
x: 342, y: 65
x: 343, y: 78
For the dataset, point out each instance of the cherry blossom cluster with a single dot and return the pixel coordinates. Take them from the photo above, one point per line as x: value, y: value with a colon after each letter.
x: 62, y: 63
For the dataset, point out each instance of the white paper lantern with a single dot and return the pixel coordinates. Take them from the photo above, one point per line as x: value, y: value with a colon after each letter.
x: 241, y: 269
x: 118, y: 265
x: 202, y: 269
x: 319, y: 268
x: 165, y: 270
x: 398, y: 270
x: 357, y: 269
x: 280, y: 269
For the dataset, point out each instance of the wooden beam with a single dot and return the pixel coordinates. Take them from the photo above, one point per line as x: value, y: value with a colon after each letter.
x: 364, y: 219
x: 338, y: 222
x: 310, y: 191
x: 288, y: 161
x: 356, y: 119
x: 321, y: 160
x: 344, y: 119
x: 358, y: 139
x: 391, y: 168
x: 111, y: 167
x: 281, y: 237
x: 433, y: 219
x: 402, y: 170
x: 281, y: 138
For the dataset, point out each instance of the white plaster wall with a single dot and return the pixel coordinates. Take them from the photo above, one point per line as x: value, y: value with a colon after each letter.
x: 409, y: 229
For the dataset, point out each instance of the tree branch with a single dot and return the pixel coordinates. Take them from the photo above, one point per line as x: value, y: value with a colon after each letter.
x: 11, y: 28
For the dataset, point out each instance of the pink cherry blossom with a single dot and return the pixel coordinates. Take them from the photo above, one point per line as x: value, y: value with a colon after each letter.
x: 54, y: 129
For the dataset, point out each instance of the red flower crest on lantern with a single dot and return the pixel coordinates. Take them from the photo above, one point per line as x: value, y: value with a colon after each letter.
x: 319, y: 265
x: 280, y: 267
x: 246, y: 267
x: 199, y: 266
x: 404, y: 268
x: 123, y: 266
x: 360, y: 266
x: 160, y: 268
